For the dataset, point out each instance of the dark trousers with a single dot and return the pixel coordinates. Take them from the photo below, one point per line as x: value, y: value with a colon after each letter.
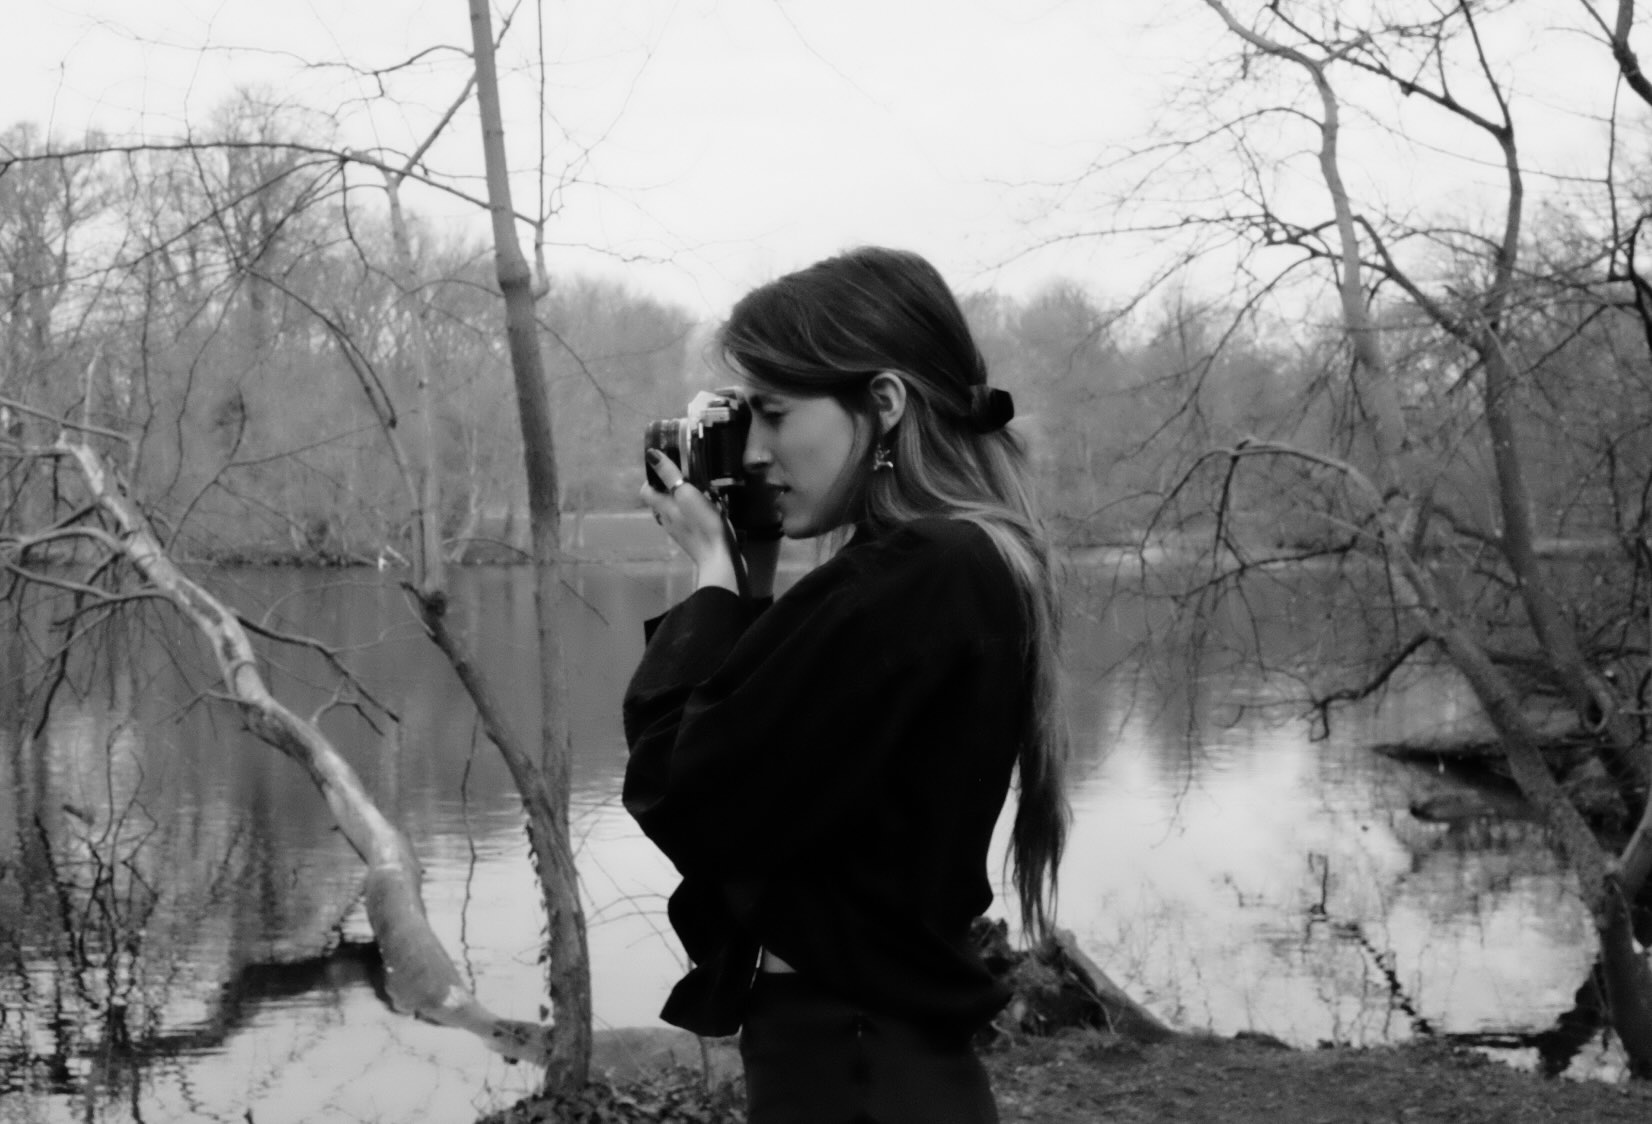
x: 812, y: 1058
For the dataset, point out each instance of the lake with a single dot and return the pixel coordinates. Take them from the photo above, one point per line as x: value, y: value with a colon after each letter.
x: 180, y: 936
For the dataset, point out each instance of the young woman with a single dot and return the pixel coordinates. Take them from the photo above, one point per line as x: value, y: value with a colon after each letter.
x: 825, y: 770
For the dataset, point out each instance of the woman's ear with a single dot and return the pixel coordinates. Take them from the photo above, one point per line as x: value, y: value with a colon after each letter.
x: 889, y: 392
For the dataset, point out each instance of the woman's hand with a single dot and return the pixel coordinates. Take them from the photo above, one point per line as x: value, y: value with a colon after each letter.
x: 693, y: 522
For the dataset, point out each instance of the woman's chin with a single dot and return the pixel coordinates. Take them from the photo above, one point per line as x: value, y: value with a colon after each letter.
x: 808, y: 521
x: 800, y: 525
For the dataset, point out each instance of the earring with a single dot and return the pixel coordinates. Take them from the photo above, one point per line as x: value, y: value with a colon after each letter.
x: 881, y: 460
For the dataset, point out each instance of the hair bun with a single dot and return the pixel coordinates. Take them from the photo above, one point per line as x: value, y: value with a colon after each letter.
x: 990, y: 409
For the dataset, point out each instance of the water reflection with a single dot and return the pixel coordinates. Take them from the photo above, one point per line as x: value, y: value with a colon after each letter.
x: 180, y: 937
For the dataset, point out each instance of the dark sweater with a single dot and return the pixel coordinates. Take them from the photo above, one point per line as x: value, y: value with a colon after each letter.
x: 826, y: 772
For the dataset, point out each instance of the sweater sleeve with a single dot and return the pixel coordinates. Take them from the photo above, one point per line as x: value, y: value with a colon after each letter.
x: 752, y: 742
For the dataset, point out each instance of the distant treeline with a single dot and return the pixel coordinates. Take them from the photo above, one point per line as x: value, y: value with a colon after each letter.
x: 232, y: 308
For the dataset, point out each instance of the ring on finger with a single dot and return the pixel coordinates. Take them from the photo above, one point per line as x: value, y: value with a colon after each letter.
x: 673, y: 489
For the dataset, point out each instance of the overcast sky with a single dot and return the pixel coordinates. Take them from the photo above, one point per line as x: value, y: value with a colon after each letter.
x: 730, y: 139
x: 715, y: 143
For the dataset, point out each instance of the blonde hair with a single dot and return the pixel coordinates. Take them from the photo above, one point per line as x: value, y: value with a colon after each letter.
x: 829, y: 330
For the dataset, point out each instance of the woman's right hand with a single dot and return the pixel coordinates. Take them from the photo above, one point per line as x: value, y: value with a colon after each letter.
x: 693, y: 522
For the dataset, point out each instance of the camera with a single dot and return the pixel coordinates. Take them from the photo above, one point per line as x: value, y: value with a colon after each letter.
x: 709, y: 445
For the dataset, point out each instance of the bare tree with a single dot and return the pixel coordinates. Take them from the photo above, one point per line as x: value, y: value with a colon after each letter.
x: 1427, y: 310
x: 541, y: 778
x: 544, y: 784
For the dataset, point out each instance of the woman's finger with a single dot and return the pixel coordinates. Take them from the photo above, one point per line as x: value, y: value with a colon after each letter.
x: 666, y: 471
x: 686, y: 513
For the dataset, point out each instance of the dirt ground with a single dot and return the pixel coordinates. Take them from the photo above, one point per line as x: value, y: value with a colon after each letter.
x: 1228, y: 1081
x: 1088, y: 1077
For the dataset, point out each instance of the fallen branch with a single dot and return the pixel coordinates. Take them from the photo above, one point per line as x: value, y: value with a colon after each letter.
x: 421, y: 978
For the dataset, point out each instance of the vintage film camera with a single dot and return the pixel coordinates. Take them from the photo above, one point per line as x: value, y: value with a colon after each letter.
x: 708, y: 445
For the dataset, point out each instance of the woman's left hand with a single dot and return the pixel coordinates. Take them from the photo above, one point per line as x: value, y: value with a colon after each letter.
x: 693, y: 522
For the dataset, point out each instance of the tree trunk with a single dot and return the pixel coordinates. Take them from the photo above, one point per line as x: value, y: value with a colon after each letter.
x: 544, y: 789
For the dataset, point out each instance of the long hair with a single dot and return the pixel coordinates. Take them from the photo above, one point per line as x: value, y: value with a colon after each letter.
x: 828, y: 330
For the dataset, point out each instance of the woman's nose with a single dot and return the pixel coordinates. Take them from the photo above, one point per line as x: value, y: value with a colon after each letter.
x: 756, y: 456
